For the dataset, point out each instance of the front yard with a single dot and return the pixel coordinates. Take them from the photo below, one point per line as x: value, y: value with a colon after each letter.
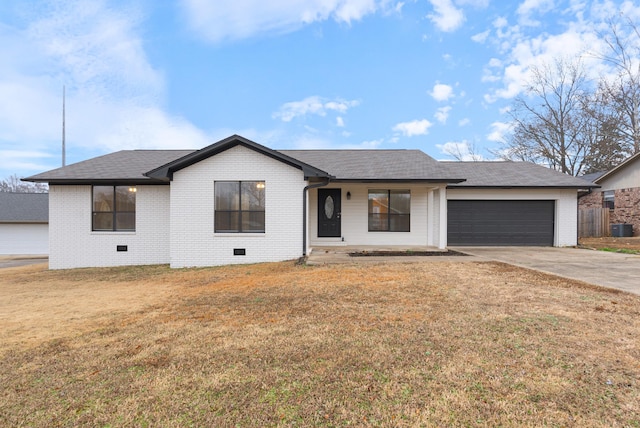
x: 432, y: 344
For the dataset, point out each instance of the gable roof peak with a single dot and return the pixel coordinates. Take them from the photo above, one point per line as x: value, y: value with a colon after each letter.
x: 165, y: 172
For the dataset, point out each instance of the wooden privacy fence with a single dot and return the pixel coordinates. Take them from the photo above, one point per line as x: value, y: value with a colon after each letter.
x: 593, y: 222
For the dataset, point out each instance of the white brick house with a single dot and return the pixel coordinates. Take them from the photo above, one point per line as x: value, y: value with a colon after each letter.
x: 239, y: 202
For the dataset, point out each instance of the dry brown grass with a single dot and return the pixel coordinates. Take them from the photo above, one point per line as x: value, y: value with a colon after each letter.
x: 433, y: 344
x: 609, y: 242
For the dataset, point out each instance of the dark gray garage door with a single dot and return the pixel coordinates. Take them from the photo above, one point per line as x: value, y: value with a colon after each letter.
x: 500, y: 222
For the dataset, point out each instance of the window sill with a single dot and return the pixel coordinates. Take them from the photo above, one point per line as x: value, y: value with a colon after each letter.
x: 238, y: 235
x: 111, y: 233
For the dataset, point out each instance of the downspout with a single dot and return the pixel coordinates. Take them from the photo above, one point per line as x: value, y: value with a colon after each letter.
x: 304, y: 213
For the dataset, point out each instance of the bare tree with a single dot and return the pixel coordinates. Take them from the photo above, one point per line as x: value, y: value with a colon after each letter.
x: 549, y: 123
x: 14, y: 184
x: 623, y: 91
x: 463, y: 151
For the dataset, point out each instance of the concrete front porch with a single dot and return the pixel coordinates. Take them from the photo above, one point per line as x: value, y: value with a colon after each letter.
x: 322, y: 255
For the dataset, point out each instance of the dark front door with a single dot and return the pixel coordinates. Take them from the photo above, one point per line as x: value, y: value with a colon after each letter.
x: 329, y: 213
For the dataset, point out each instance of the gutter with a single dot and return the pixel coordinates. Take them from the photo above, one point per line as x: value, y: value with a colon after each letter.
x: 304, y: 213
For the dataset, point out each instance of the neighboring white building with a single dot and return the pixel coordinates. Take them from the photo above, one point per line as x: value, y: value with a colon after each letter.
x: 24, y: 228
x: 239, y: 202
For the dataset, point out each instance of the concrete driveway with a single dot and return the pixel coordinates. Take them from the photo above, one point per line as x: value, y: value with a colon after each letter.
x: 613, y: 270
x: 13, y: 261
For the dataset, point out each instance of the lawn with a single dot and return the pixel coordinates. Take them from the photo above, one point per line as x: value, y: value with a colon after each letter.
x: 431, y: 344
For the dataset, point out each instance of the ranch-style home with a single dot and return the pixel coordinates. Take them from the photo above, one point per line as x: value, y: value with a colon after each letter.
x: 237, y: 201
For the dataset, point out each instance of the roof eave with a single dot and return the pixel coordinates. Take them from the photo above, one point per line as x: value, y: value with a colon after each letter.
x: 577, y: 187
x: 397, y: 180
x: 105, y: 181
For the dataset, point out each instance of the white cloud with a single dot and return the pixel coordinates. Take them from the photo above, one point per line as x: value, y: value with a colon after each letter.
x: 460, y: 150
x: 464, y: 122
x: 498, y: 131
x: 522, y: 52
x: 313, y: 105
x: 415, y: 127
x: 315, y: 142
x: 339, y: 122
x: 441, y: 92
x: 114, y: 96
x: 481, y: 37
x: 442, y: 114
x: 446, y: 16
x: 529, y: 7
x: 232, y: 20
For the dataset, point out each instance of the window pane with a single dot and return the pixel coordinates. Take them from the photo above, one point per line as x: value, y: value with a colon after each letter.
x: 125, y: 198
x: 400, y: 201
x: 102, y: 221
x: 227, y: 195
x: 103, y: 198
x: 253, y: 221
x: 125, y: 221
x: 253, y: 195
x: 378, y: 201
x: 227, y: 221
x: 400, y: 223
x: 378, y: 222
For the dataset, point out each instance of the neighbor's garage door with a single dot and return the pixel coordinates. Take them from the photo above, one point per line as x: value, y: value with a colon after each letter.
x: 500, y: 222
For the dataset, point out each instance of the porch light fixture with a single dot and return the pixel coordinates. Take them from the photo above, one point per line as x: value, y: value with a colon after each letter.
x: 133, y: 189
x: 348, y: 196
x: 260, y: 185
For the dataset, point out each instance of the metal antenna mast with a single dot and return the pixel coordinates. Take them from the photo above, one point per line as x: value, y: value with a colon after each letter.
x: 63, y: 131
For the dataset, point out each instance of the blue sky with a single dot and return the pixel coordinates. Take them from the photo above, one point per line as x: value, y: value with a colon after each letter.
x: 426, y: 74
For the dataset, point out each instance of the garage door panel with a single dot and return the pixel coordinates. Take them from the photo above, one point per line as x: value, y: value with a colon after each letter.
x: 478, y: 222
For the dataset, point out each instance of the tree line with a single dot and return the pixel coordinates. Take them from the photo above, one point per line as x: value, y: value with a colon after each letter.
x: 13, y: 184
x: 574, y: 123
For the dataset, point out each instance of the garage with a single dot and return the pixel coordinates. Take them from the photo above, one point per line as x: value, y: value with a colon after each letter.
x: 501, y: 222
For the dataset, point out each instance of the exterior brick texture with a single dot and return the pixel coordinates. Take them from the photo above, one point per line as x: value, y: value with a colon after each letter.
x: 627, y: 208
x: 72, y: 244
x: 193, y: 240
x: 626, y: 203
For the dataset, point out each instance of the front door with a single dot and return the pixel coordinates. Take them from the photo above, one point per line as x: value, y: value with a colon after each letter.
x: 329, y: 213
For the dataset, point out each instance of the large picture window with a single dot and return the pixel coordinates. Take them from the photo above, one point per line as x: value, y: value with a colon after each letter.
x: 389, y: 210
x: 239, y: 206
x: 114, y: 208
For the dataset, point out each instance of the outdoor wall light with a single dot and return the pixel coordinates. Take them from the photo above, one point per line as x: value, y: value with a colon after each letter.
x: 348, y: 196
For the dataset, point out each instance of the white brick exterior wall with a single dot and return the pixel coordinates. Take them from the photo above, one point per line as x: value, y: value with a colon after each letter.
x: 355, y: 214
x: 73, y: 244
x: 193, y: 240
x: 566, y: 216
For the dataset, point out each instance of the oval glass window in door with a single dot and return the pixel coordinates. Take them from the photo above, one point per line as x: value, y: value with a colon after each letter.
x: 328, y: 207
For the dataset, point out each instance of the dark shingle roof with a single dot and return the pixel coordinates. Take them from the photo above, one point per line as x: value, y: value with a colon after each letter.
x: 130, y: 167
x: 24, y: 207
x: 383, y: 165
x: 512, y: 174
x: 125, y: 165
x: 592, y: 177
